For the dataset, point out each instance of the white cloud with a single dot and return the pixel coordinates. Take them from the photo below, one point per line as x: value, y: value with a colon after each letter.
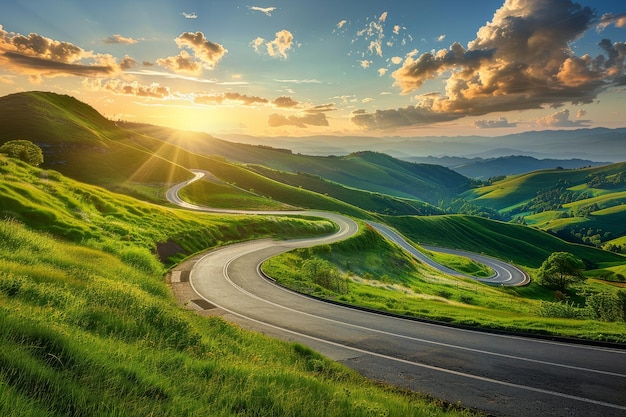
x: 265, y: 10
x: 189, y: 15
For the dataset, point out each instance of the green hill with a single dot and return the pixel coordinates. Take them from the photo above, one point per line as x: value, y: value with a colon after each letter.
x: 522, y: 245
x: 80, y: 142
x: 369, y: 171
x: 582, y: 205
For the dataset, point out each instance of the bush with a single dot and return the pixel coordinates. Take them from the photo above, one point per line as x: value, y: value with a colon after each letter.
x: 23, y: 150
x: 605, y: 306
x: 561, y: 310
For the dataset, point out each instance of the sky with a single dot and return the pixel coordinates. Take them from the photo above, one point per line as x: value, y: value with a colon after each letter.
x: 351, y: 67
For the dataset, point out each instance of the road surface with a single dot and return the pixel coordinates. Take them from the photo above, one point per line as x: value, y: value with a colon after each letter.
x: 503, y: 375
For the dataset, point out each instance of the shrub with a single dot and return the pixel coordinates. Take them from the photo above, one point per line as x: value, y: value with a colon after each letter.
x: 562, y: 310
x: 24, y: 150
x: 605, y: 306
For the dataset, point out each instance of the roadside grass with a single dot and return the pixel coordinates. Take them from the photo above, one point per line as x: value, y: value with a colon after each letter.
x: 461, y: 264
x: 380, y: 276
x: 226, y: 196
x: 88, y: 325
x: 49, y: 202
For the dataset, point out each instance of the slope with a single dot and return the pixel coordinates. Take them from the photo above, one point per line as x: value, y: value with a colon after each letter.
x: 583, y: 205
x: 80, y: 142
x: 522, y: 245
x: 369, y: 171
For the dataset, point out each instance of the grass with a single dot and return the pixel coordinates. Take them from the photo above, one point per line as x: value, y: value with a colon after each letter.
x: 522, y: 245
x: 221, y: 195
x: 88, y: 325
x: 381, y: 276
x: 372, y: 202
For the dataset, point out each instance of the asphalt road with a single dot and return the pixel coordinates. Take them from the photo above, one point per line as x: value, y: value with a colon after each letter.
x: 503, y: 375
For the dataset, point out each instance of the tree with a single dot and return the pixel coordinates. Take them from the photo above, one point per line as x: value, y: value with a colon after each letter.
x: 24, y: 150
x: 560, y: 270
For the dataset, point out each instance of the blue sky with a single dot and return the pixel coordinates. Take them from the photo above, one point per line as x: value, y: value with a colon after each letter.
x: 359, y: 67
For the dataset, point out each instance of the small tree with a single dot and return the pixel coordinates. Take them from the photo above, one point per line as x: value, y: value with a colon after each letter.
x: 24, y: 150
x: 560, y: 270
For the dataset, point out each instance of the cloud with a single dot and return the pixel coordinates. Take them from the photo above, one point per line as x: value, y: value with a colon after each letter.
x: 266, y: 10
x: 519, y: 60
x: 341, y: 24
x: 491, y: 124
x: 382, y: 71
x: 6, y: 79
x: 560, y: 119
x: 406, y: 116
x: 322, y: 108
x: 38, y: 57
x: 154, y: 90
x: 305, y: 81
x: 181, y: 63
x: 608, y: 19
x: 365, y: 63
x: 189, y: 15
x: 281, y: 44
x: 229, y: 97
x: 117, y: 38
x: 127, y: 63
x: 298, y: 120
x: 278, y: 47
x: 383, y: 17
x: 440, y: 38
x: 208, y: 52
x: 285, y: 102
x: 581, y: 113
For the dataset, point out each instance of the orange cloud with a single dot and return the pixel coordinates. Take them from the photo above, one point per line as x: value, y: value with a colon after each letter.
x: 229, y: 97
x: 154, y: 90
x: 521, y: 59
x: 181, y: 63
x: 39, y: 57
x: 208, y: 52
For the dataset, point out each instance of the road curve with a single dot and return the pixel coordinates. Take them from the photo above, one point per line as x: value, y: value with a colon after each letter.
x: 503, y: 375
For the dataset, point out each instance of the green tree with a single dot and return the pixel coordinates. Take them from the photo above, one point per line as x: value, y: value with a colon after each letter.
x: 24, y: 150
x: 560, y: 270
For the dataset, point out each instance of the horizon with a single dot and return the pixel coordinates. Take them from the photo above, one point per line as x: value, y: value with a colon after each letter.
x: 321, y: 69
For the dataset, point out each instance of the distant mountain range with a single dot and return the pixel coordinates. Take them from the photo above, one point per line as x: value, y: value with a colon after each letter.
x: 598, y: 144
x: 481, y: 168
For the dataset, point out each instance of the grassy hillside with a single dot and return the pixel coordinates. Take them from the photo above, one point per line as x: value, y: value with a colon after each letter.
x: 369, y: 171
x: 522, y: 245
x: 373, y: 202
x: 582, y: 205
x: 81, y: 143
x: 89, y: 327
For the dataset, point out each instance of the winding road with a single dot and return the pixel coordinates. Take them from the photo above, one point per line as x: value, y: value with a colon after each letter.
x: 500, y: 374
